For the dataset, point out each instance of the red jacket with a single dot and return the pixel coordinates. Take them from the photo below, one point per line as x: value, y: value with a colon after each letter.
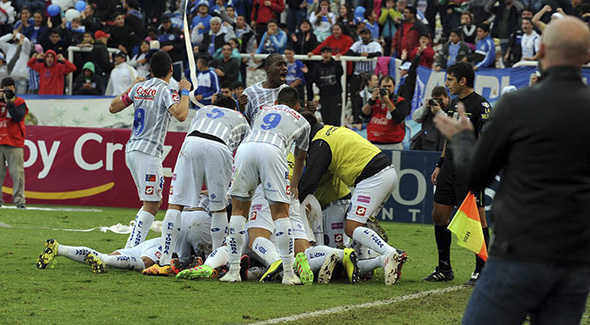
x: 339, y: 45
x: 51, y: 79
x: 427, y: 57
x: 264, y: 13
x: 381, y: 128
x: 408, y: 37
x: 12, y: 133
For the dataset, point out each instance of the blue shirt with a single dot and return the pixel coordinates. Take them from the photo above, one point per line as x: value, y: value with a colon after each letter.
x: 204, y: 20
x: 294, y: 72
x: 485, y: 53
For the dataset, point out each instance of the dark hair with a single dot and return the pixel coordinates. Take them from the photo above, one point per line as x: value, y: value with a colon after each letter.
x: 365, y: 78
x: 56, y: 30
x: 133, y: 4
x: 230, y: 6
x: 38, y: 12
x: 386, y: 77
x: 26, y: 8
x: 272, y: 21
x: 224, y: 44
x: 529, y: 9
x: 7, y: 82
x: 288, y: 96
x: 225, y: 101
x: 528, y: 19
x: 237, y: 41
x: 237, y: 84
x: 368, y: 14
x: 271, y: 59
x: 203, y: 60
x: 462, y: 70
x: 412, y: 10
x: 484, y: 27
x: 306, y: 21
x: 458, y: 32
x: 309, y: 117
x: 160, y: 64
x: 225, y: 84
x: 349, y: 14
x: 288, y: 48
x: 438, y: 91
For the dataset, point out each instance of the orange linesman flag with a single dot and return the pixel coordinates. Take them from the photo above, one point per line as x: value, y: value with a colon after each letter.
x: 466, y: 225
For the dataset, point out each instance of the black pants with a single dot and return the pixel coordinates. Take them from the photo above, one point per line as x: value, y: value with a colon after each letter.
x: 331, y: 109
x: 355, y: 98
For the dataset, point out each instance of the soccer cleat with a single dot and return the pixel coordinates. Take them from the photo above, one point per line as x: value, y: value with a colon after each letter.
x: 273, y: 271
x: 178, y: 266
x: 303, y: 269
x: 156, y: 269
x: 231, y: 277
x: 244, y: 266
x: 291, y: 280
x: 401, y: 258
x: 48, y: 254
x: 373, y: 224
x: 327, y: 269
x: 350, y: 265
x: 473, y: 280
x: 392, y: 266
x: 202, y: 271
x: 95, y: 263
x: 440, y: 275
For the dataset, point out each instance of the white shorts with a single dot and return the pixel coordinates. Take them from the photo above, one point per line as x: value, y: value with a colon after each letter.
x: 149, y: 248
x: 256, y: 160
x: 148, y: 175
x: 260, y: 216
x: 195, y: 234
x: 199, y: 162
x: 370, y: 194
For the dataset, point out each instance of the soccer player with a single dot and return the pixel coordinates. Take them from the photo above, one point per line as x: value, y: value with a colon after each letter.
x: 204, y: 159
x: 451, y: 190
x: 154, y: 101
x: 274, y: 130
x: 359, y: 164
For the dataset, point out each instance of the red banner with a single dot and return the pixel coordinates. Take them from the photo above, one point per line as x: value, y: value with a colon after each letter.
x: 84, y: 166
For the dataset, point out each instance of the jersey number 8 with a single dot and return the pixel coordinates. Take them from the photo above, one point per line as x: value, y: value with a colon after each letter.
x: 139, y: 121
x: 271, y: 121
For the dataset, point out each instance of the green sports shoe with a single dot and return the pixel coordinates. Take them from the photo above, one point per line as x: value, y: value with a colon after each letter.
x: 305, y: 273
x: 273, y: 271
x: 95, y: 263
x: 350, y: 265
x: 202, y: 271
x: 48, y: 254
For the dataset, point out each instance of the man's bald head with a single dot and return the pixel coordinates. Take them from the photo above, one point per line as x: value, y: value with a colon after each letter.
x: 565, y: 41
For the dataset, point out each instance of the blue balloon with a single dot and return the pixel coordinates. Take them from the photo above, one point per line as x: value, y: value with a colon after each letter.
x: 80, y: 5
x: 360, y: 12
x: 53, y: 10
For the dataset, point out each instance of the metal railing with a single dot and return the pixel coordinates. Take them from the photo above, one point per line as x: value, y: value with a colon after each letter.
x: 70, y: 76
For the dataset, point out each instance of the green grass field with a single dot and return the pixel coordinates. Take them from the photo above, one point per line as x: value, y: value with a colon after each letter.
x: 71, y: 293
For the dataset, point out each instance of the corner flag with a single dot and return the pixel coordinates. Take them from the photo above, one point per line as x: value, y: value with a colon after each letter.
x: 466, y: 225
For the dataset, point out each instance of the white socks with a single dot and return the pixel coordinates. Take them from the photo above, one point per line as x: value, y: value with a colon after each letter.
x: 217, y: 258
x: 170, y: 234
x: 77, y: 253
x: 266, y: 250
x: 219, y: 227
x: 367, y: 266
x: 235, y: 240
x: 285, y: 243
x: 316, y: 255
x: 124, y: 262
x: 370, y: 239
x: 143, y: 222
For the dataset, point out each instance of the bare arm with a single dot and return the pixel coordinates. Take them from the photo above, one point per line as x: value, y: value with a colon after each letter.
x: 121, y: 102
x: 180, y: 110
x: 297, y: 170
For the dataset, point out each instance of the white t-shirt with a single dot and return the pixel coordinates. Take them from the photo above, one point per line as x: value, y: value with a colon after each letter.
x: 530, y: 44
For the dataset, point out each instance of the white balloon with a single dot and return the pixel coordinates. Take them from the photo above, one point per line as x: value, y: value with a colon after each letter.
x: 63, y: 4
x: 71, y: 14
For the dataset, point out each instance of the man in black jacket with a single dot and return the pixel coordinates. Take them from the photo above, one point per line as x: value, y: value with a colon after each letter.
x: 539, y: 260
x: 100, y: 56
x: 327, y: 77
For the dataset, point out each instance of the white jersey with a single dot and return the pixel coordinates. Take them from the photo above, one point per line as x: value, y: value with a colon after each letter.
x: 259, y: 96
x: 360, y: 47
x: 228, y: 125
x: 151, y: 99
x: 530, y: 44
x: 280, y: 125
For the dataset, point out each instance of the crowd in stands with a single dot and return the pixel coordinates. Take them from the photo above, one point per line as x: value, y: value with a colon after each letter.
x: 117, y: 38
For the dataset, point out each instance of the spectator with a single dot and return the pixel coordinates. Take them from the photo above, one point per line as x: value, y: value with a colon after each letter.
x: 87, y: 83
x: 4, y: 73
x: 7, y: 10
x: 303, y: 42
x: 410, y: 87
x: 25, y: 20
x: 346, y: 16
x: 13, y: 111
x: 530, y: 41
x: 505, y: 17
x: 140, y: 61
x: 296, y: 14
x: 235, y: 52
x: 226, y: 68
x: 247, y: 42
x: 200, y: 23
x: 453, y: 51
x: 434, y: 7
x: 33, y: 32
x: 238, y: 89
x: 172, y: 41
x: 387, y: 20
x: 263, y: 11
x: 371, y: 23
x: 322, y: 20
x: 295, y: 73
x: 51, y: 73
x: 273, y: 41
x: 90, y: 19
x: 327, y: 78
x: 100, y: 56
x: 426, y: 50
x: 207, y: 81
x: 133, y: 17
x: 369, y: 84
x: 16, y: 50
x: 228, y: 16
x: 477, y: 13
x: 485, y: 52
x: 469, y: 30
x: 243, y: 8
x: 122, y: 36
x: 77, y: 31
x: 339, y: 42
x: 429, y: 138
x: 87, y: 40
x: 122, y: 76
x: 408, y: 35
x: 57, y: 39
x: 215, y: 38
x: 387, y: 112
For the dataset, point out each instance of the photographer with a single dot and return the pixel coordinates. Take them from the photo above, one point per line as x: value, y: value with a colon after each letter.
x: 13, y: 110
x: 429, y: 137
x: 387, y: 112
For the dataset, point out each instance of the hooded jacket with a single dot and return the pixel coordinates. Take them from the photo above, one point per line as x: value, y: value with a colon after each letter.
x: 51, y: 78
x: 81, y: 79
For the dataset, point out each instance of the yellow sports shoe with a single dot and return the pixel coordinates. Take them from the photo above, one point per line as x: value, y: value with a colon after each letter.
x: 48, y: 254
x: 273, y: 271
x: 95, y: 263
x: 156, y: 269
x: 350, y: 265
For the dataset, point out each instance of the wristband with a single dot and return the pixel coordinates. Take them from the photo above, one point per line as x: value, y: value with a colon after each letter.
x: 184, y: 92
x: 440, y: 162
x: 371, y: 101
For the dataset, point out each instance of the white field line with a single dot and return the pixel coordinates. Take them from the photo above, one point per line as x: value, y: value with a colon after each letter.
x: 341, y: 309
x: 54, y: 209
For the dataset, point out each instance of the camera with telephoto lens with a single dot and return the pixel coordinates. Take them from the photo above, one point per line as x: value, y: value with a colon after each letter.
x: 383, y: 92
x: 433, y: 102
x: 9, y: 94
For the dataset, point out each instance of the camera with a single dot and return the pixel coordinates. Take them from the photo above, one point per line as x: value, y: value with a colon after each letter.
x: 383, y: 92
x: 433, y: 101
x: 9, y: 94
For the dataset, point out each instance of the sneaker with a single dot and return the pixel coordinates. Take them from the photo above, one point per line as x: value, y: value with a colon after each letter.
x: 373, y: 224
x: 473, y: 280
x: 244, y: 266
x: 350, y: 265
x: 156, y: 269
x: 327, y: 269
x: 202, y: 271
x: 303, y: 269
x: 19, y: 206
x: 231, y: 277
x: 178, y: 266
x: 291, y: 280
x: 440, y: 275
x: 48, y: 254
x: 273, y: 271
x: 95, y: 263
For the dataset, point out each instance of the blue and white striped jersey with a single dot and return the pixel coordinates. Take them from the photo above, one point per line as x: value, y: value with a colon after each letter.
x: 258, y: 97
x: 228, y: 125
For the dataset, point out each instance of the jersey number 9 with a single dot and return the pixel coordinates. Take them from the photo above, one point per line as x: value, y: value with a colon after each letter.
x: 271, y: 121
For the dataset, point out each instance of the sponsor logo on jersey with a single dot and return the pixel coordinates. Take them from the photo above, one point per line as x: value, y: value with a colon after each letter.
x: 288, y: 189
x: 338, y: 238
x: 287, y: 175
x: 149, y: 190
x: 361, y: 211
x: 170, y: 193
x: 175, y: 97
x: 145, y: 93
x: 150, y: 177
x: 364, y: 199
x: 253, y: 215
x: 158, y: 254
x: 212, y: 196
x: 337, y: 225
